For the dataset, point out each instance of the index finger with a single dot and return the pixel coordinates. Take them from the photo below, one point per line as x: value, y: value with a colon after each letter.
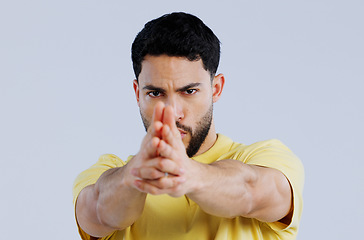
x: 169, y: 119
x: 158, y: 112
x: 157, y: 118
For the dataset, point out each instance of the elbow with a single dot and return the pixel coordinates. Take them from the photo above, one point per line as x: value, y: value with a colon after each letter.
x: 272, y: 201
x: 248, y: 206
x: 106, y: 219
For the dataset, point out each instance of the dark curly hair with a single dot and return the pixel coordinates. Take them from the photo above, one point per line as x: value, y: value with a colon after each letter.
x: 177, y: 34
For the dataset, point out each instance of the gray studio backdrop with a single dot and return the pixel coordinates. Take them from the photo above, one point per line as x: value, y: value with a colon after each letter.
x: 294, y: 71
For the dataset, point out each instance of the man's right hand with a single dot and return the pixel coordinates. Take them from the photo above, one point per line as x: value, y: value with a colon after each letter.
x: 162, y: 151
x: 148, y: 150
x: 113, y: 203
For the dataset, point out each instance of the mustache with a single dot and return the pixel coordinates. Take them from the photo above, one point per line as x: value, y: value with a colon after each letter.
x: 184, y: 128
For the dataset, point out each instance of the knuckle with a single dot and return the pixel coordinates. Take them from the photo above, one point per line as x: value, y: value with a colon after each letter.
x: 164, y: 183
x: 153, y: 191
x: 154, y: 174
x: 162, y: 163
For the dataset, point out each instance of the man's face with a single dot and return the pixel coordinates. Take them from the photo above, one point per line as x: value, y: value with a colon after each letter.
x: 186, y: 86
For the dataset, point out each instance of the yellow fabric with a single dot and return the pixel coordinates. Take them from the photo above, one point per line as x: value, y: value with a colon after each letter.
x: 165, y: 217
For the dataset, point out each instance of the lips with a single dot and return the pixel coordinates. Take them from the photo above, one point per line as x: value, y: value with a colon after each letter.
x: 183, y: 133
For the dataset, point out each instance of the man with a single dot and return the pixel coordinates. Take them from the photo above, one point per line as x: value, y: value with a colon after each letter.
x: 187, y: 182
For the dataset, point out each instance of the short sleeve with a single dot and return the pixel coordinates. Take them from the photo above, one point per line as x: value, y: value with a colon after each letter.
x: 90, y: 176
x: 274, y: 154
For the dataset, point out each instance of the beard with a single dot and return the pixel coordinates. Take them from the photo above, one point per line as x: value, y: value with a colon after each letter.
x: 198, y: 135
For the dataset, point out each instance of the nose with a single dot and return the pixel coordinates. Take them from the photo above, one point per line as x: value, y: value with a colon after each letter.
x: 177, y: 108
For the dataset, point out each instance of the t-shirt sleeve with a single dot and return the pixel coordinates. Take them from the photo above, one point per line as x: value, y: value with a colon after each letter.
x: 90, y: 176
x: 274, y: 154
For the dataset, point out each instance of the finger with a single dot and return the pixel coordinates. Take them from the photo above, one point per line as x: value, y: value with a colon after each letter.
x: 155, y: 129
x: 161, y: 186
x: 158, y: 112
x: 163, y: 165
x: 145, y: 187
x: 169, y: 137
x: 147, y: 173
x: 151, y: 147
x: 157, y: 117
x: 170, y: 146
x: 169, y: 119
x: 166, y: 150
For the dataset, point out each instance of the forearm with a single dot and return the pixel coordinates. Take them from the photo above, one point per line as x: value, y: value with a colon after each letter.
x: 109, y: 205
x: 223, y: 188
x: 230, y: 188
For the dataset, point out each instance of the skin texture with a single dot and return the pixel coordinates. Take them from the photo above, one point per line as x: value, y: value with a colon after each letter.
x: 174, y: 95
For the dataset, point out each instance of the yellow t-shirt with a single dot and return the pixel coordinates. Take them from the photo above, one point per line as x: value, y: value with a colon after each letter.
x: 165, y: 217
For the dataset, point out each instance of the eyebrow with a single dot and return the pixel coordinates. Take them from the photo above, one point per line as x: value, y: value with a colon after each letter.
x: 153, y: 88
x: 185, y: 88
x: 182, y: 89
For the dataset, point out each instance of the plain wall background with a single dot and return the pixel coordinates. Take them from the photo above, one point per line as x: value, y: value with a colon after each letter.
x: 294, y: 71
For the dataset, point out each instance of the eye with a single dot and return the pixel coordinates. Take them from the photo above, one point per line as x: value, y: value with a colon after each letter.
x: 154, y: 94
x: 190, y: 91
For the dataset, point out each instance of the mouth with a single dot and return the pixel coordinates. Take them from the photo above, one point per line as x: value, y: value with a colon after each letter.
x: 183, y: 133
x: 184, y: 130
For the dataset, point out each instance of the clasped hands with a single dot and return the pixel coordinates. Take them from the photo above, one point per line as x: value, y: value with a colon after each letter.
x: 162, y: 151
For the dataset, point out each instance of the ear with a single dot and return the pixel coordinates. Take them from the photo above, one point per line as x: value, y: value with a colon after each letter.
x: 136, y: 90
x: 217, y: 85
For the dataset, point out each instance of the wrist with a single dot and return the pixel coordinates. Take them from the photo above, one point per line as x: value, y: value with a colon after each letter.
x: 126, y: 177
x: 198, y: 178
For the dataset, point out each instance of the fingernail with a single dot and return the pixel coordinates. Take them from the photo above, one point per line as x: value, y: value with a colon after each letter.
x: 137, y: 183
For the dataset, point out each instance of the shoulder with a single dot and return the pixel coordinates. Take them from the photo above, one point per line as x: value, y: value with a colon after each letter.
x: 92, y: 174
x: 276, y: 155
x: 246, y: 152
x: 272, y: 154
x: 111, y: 160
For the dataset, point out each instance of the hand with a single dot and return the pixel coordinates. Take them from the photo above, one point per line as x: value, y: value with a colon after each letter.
x: 148, y: 150
x: 166, y: 154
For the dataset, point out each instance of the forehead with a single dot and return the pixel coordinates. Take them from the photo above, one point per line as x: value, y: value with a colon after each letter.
x: 160, y: 70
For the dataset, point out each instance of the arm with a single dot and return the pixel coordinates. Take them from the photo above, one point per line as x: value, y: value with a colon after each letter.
x: 226, y: 188
x: 109, y: 205
x: 230, y: 188
x: 113, y: 203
